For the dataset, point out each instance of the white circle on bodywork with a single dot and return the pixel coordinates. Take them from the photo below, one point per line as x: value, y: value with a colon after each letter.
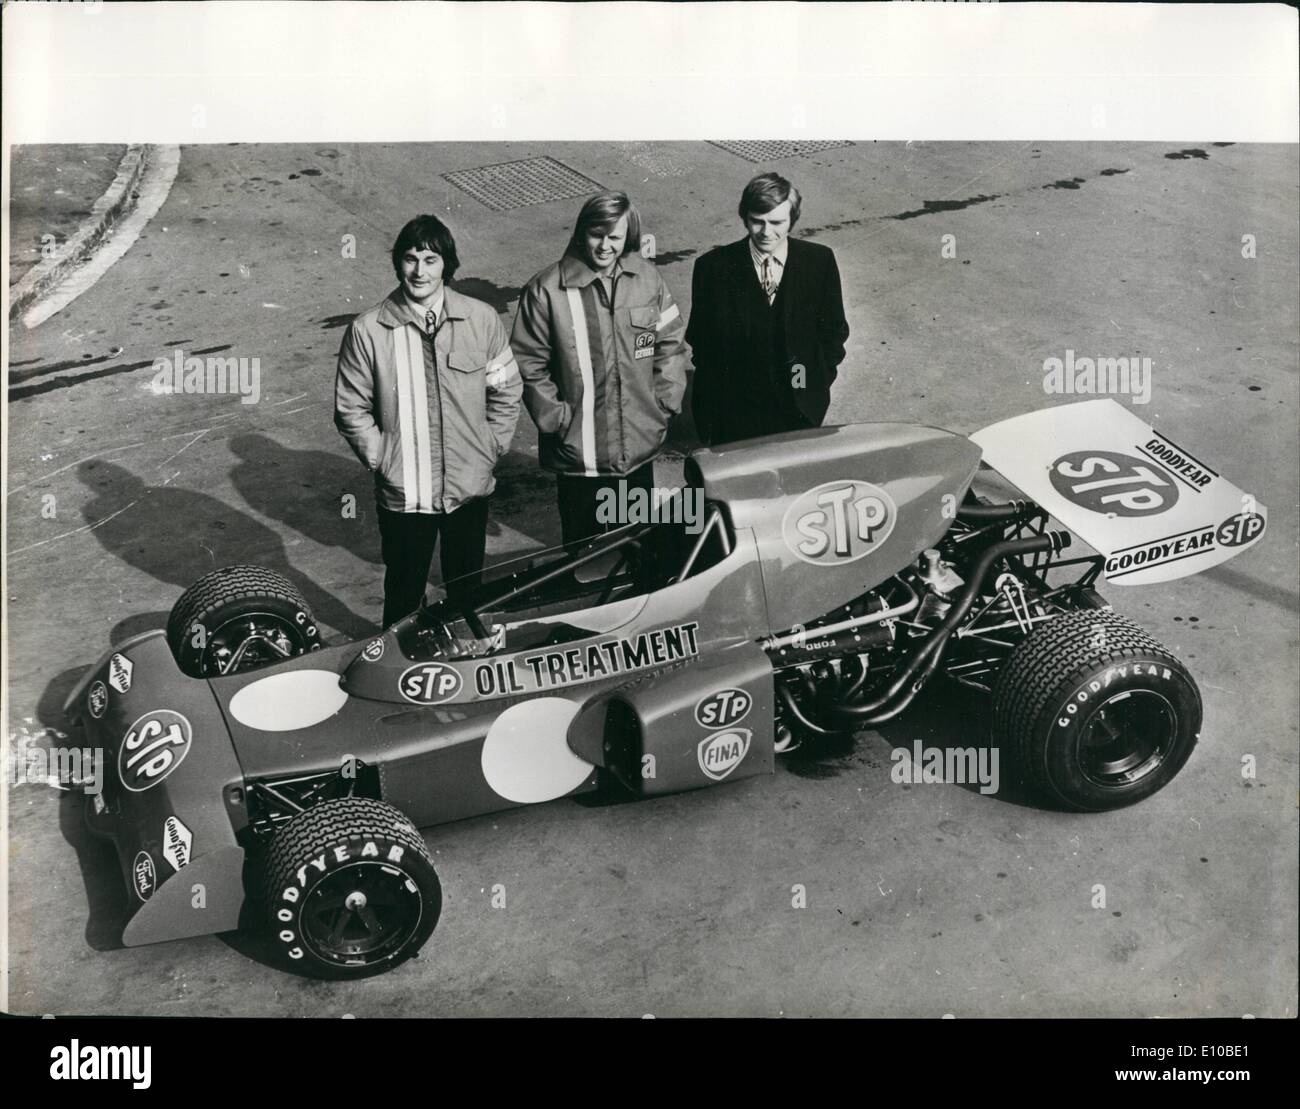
x: 526, y: 756
x: 286, y: 702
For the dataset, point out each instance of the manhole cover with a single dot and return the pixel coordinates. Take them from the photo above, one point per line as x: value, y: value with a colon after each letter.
x: 509, y: 185
x: 771, y: 150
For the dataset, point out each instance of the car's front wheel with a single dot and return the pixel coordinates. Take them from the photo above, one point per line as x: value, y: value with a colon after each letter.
x: 350, y: 889
x: 1094, y: 713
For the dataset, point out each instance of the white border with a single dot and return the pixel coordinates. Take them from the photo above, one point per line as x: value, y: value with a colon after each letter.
x: 258, y: 71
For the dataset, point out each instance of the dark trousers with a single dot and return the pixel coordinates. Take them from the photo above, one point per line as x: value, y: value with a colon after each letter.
x: 580, y: 496
x: 407, y: 540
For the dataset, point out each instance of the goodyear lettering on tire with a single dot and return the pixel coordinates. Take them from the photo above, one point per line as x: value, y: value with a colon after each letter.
x: 1089, y: 689
x: 315, y: 868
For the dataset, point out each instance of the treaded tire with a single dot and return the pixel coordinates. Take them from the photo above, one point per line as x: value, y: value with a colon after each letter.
x: 1073, y: 680
x: 335, y: 849
x: 227, y: 594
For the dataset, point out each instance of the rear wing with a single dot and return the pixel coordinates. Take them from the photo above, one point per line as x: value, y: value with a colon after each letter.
x: 1154, y: 510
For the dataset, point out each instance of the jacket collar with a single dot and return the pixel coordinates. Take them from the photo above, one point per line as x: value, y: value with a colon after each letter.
x: 576, y: 274
x: 396, y: 311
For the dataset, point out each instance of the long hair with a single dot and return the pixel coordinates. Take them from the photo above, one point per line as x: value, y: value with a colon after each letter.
x: 601, y: 212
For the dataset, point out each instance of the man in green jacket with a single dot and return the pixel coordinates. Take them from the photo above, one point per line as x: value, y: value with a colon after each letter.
x: 599, y: 343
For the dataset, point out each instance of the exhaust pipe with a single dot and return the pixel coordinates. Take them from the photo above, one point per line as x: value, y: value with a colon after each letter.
x: 921, y: 666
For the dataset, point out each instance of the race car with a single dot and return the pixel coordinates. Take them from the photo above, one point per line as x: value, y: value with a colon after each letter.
x: 831, y: 575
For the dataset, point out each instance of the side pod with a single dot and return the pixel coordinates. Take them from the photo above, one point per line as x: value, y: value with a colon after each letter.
x: 708, y: 723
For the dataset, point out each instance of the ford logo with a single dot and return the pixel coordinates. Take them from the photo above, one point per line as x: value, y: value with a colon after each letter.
x: 143, y: 876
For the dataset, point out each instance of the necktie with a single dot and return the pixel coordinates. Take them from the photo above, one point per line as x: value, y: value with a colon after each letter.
x: 430, y: 322
x: 769, y: 281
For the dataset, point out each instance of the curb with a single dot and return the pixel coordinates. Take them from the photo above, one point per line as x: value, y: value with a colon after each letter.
x: 116, y: 202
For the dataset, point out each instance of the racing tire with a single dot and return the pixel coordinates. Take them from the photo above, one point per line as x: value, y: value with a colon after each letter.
x: 239, y: 618
x: 350, y: 890
x: 1093, y: 713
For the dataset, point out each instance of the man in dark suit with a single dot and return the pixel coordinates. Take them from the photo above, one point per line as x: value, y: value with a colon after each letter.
x: 767, y: 327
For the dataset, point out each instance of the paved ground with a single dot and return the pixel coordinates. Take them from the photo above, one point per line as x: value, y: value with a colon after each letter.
x: 55, y: 186
x: 921, y: 900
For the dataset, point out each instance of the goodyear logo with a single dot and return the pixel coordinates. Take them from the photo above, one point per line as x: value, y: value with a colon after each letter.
x: 430, y: 683
x: 839, y: 522
x: 152, y: 748
x: 119, y: 673
x: 720, y: 754
x: 1113, y: 484
x: 723, y: 709
x: 177, y: 842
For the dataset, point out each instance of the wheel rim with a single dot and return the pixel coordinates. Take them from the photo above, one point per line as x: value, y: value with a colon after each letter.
x: 1127, y: 739
x: 251, y: 640
x: 362, y: 913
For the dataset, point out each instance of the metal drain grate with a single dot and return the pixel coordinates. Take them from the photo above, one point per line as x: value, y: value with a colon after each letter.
x: 771, y: 150
x: 509, y: 185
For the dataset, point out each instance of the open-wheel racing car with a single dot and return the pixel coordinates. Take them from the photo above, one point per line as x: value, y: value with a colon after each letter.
x: 832, y: 575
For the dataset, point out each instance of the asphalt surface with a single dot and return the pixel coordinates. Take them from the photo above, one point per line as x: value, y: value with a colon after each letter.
x: 55, y: 186
x: 920, y: 900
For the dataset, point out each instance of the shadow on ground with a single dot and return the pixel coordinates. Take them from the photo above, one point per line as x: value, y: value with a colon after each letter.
x: 945, y: 716
x: 176, y: 536
x: 306, y: 490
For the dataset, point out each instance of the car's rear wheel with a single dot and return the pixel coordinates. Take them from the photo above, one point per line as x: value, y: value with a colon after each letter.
x: 237, y: 619
x: 1094, y: 713
x: 350, y: 890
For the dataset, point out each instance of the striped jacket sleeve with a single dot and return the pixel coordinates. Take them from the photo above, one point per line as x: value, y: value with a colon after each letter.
x: 670, y: 353
x: 532, y: 342
x: 504, y: 387
x: 354, y: 398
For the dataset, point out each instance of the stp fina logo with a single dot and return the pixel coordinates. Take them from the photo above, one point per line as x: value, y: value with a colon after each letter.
x: 152, y: 748
x: 430, y: 683
x: 839, y: 522
x: 720, y: 754
x: 722, y: 709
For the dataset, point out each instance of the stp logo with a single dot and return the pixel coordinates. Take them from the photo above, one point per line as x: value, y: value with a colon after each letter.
x: 839, y: 522
x: 1106, y: 482
x: 430, y: 683
x: 373, y: 651
x: 722, y: 709
x: 152, y: 749
x: 720, y: 754
x: 1238, y: 530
